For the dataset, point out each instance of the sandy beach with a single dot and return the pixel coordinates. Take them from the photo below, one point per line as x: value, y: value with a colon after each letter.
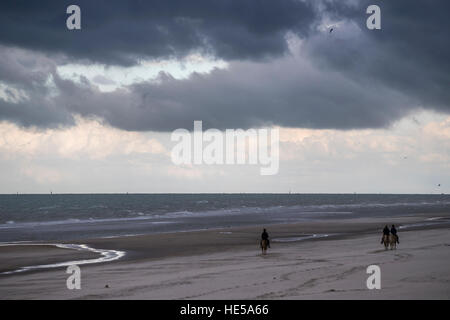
x: 330, y: 263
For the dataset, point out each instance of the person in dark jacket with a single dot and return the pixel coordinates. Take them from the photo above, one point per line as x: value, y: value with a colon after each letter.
x: 385, y: 232
x: 265, y: 236
x: 394, y: 232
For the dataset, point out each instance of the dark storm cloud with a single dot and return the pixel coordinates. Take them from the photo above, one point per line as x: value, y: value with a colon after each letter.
x: 122, y: 32
x: 351, y: 78
x: 288, y: 92
x: 29, y: 101
x: 410, y: 54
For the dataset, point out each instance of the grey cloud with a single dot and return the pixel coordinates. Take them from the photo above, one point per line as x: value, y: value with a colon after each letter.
x: 122, y: 32
x: 287, y: 92
x: 352, y: 78
x: 29, y: 74
x: 409, y: 54
x: 103, y: 80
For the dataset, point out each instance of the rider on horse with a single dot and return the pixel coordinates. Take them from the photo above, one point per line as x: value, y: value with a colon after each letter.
x: 265, y: 236
x: 394, y: 232
x: 385, y: 233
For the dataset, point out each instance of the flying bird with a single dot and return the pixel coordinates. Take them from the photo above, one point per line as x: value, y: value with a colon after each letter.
x: 331, y: 27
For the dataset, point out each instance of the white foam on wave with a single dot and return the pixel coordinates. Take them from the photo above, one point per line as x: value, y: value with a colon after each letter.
x: 431, y: 222
x: 301, y: 238
x: 105, y: 255
x: 14, y: 225
x: 434, y: 218
x: 123, y: 236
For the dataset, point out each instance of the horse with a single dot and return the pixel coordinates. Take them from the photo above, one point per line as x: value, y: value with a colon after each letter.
x: 263, y: 245
x: 393, y: 241
x: 385, y: 240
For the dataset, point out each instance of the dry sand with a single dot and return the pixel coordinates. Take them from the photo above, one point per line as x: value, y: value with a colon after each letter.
x: 226, y: 264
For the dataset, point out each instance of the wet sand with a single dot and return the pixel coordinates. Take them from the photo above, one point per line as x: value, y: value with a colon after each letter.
x: 13, y: 257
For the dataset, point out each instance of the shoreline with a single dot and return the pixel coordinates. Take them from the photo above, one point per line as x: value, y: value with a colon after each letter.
x: 78, y: 254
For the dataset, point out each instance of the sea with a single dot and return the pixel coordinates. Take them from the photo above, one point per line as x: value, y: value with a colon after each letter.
x: 65, y: 217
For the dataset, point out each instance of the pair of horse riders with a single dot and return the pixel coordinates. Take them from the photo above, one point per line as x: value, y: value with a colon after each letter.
x: 386, y: 232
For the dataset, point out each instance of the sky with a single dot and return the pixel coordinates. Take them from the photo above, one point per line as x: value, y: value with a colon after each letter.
x: 92, y: 110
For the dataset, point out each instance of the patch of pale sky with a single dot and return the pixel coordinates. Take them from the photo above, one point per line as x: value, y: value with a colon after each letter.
x: 89, y: 138
x: 118, y: 76
x: 416, y: 145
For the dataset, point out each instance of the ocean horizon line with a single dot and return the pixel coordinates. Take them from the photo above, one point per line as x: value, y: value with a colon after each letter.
x: 222, y: 193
